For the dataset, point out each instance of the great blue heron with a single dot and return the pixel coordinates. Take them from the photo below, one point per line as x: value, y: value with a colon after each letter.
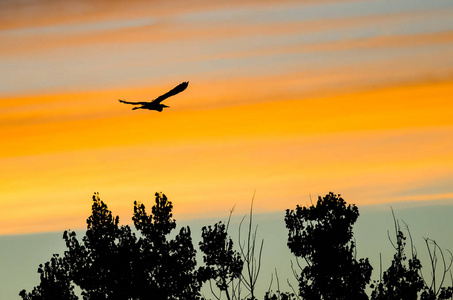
x: 156, y: 103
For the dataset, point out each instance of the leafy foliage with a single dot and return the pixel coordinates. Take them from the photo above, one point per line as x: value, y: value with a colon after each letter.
x: 279, y: 296
x: 322, y: 235
x: 55, y: 282
x: 403, y: 280
x: 223, y: 264
x: 111, y: 263
x: 400, y: 281
x: 115, y: 262
x: 101, y: 264
x: 165, y: 268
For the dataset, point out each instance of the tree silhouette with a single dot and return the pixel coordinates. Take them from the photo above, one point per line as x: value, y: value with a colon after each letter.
x: 403, y: 280
x: 111, y: 263
x: 322, y: 235
x: 223, y: 264
x: 101, y: 264
x: 54, y: 284
x: 166, y: 267
x: 116, y: 262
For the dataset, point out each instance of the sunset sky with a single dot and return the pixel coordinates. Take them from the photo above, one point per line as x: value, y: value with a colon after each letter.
x: 285, y: 98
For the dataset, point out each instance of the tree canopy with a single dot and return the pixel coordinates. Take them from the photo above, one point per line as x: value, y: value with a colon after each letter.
x: 113, y: 261
x: 322, y: 235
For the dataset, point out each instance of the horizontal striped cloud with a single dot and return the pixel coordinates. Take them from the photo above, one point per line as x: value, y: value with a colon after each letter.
x: 371, y: 145
x: 290, y: 99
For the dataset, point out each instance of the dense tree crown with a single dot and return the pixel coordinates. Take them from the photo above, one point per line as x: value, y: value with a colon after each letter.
x: 116, y: 262
x: 322, y: 235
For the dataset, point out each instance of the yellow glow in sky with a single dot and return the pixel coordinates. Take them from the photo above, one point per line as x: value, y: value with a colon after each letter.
x: 289, y: 99
x: 371, y: 145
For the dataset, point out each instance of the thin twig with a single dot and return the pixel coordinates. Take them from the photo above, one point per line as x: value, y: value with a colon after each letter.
x: 432, y: 261
x: 270, y: 284
x: 212, y: 291
x: 292, y: 288
x: 229, y: 217
x: 413, y: 250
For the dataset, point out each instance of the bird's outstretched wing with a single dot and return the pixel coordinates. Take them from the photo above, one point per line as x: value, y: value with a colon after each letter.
x: 136, y: 103
x: 178, y: 89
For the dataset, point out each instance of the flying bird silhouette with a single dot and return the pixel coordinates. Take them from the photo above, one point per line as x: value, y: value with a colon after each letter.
x: 156, y: 103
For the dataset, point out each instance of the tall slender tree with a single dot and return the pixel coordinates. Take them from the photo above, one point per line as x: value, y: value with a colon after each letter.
x: 322, y: 235
x: 101, y: 264
x: 166, y: 268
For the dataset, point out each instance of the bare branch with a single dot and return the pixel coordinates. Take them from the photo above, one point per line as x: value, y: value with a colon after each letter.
x: 380, y: 266
x: 292, y: 288
x: 270, y: 284
x: 432, y: 263
x: 248, y: 250
x: 212, y: 290
x: 294, y: 271
x: 413, y: 250
x: 229, y: 217
x: 278, y: 281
